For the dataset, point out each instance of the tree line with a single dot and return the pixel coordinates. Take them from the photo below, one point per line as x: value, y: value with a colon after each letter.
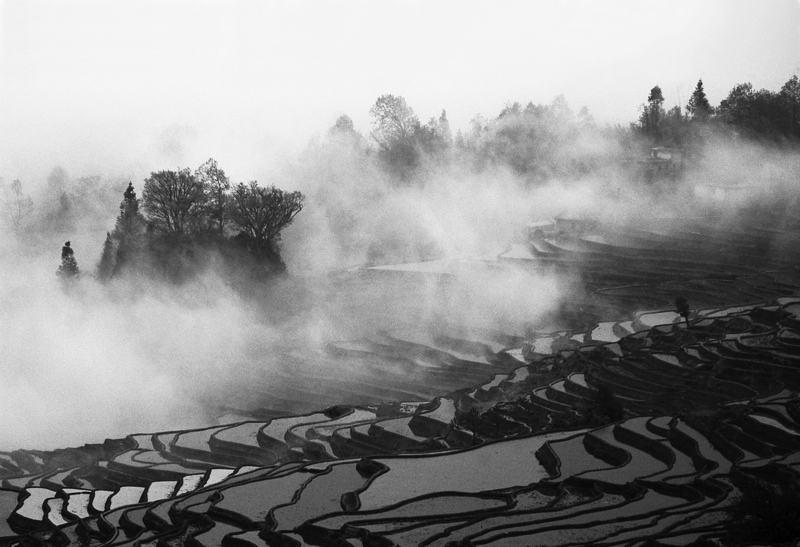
x: 764, y: 116
x: 545, y: 141
x: 538, y: 142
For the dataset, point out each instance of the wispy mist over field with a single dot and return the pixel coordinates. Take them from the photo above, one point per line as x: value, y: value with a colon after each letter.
x: 95, y: 360
x: 100, y: 360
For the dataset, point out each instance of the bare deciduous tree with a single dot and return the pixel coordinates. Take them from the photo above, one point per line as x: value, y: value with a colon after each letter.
x: 262, y: 213
x: 18, y: 204
x: 395, y: 121
x: 172, y: 199
x: 215, y: 184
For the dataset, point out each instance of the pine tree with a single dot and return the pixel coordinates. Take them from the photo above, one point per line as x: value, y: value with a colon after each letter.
x: 108, y: 259
x: 69, y: 266
x: 130, y: 221
x: 653, y: 114
x: 128, y: 234
x: 699, y: 108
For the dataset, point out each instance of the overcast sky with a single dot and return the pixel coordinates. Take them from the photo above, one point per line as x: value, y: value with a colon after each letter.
x: 126, y: 87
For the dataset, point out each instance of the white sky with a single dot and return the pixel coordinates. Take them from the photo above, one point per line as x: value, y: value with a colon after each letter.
x: 130, y: 86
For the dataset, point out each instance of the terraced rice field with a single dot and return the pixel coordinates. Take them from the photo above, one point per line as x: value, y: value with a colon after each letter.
x: 621, y: 425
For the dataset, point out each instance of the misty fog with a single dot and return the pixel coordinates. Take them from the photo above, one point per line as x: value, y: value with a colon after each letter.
x: 94, y: 360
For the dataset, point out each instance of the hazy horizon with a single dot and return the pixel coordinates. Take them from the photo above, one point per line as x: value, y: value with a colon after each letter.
x: 124, y: 88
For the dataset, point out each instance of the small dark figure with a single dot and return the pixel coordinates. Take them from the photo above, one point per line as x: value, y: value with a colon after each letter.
x: 69, y: 266
x: 682, y: 307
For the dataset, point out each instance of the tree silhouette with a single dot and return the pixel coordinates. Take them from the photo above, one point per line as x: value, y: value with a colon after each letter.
x: 172, y: 199
x: 790, y: 103
x: 395, y: 127
x: 18, y: 204
x: 215, y: 185
x: 69, y: 266
x: 652, y: 114
x: 699, y: 108
x: 394, y: 122
x: 261, y: 214
x: 130, y: 220
x: 682, y: 307
x: 761, y: 115
x: 105, y: 268
x: 343, y: 126
x: 126, y: 240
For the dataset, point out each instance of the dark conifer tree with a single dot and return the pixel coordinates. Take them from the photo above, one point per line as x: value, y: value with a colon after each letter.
x: 127, y: 238
x: 130, y: 221
x: 699, y: 108
x: 69, y: 266
x: 653, y: 114
x: 108, y: 259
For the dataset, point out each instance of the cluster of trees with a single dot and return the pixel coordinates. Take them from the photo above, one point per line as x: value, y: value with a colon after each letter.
x: 541, y: 142
x: 763, y: 116
x: 183, y: 211
x: 536, y: 141
x: 402, y: 140
x: 60, y: 207
x: 181, y: 214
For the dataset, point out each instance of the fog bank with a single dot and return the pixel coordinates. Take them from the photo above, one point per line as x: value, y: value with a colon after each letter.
x: 90, y: 361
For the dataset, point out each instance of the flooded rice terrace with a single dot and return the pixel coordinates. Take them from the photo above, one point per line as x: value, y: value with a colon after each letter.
x: 387, y: 334
x: 360, y: 401
x: 411, y: 332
